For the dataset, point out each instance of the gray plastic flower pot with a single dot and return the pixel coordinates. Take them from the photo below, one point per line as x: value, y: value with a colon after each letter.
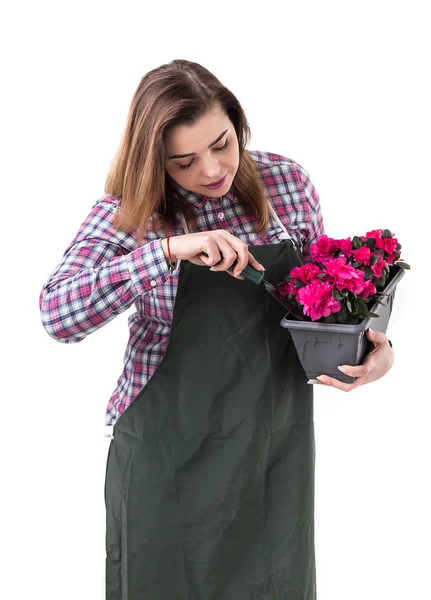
x: 321, y: 347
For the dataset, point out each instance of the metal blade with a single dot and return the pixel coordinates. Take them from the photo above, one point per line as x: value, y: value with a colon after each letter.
x: 275, y: 294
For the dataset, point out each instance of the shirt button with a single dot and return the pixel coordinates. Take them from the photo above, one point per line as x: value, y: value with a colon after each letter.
x: 221, y: 216
x: 153, y: 283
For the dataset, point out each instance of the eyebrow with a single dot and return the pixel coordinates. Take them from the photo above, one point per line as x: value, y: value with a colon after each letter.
x: 192, y: 154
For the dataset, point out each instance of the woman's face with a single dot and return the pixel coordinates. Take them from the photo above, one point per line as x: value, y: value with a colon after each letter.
x: 203, y: 164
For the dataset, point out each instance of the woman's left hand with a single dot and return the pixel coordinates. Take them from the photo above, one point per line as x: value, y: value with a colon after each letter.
x: 376, y: 364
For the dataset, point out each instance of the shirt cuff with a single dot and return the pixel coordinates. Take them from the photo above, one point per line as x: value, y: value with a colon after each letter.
x: 148, y: 267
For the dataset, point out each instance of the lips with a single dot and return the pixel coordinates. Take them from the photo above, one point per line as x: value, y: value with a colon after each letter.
x: 216, y: 183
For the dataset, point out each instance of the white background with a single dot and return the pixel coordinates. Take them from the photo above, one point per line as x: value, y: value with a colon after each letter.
x: 340, y: 87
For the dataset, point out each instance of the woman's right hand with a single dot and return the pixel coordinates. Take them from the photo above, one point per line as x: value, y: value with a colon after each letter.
x: 222, y: 247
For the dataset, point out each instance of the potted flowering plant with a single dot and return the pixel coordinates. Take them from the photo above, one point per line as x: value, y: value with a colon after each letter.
x: 348, y: 284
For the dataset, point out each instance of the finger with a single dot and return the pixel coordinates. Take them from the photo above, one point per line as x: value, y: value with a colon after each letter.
x: 234, y: 276
x: 227, y: 253
x: 340, y: 385
x: 376, y: 336
x: 197, y: 260
x: 240, y: 248
x: 254, y: 263
x: 358, y: 371
x: 249, y: 259
x: 210, y: 247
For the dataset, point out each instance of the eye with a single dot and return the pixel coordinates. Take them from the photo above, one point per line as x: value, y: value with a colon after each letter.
x: 216, y: 149
x: 223, y: 147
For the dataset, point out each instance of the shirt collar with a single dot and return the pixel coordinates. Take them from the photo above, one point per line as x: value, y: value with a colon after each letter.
x: 198, y: 200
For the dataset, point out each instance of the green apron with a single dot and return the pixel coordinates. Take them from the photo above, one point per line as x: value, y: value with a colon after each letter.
x: 209, y: 486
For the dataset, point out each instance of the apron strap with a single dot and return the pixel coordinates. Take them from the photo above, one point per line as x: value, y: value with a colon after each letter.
x: 183, y: 221
x: 285, y: 235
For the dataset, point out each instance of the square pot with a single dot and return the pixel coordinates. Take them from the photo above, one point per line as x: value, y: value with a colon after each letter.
x: 321, y: 347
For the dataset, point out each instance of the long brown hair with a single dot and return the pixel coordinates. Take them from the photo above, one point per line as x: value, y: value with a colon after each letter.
x: 176, y: 93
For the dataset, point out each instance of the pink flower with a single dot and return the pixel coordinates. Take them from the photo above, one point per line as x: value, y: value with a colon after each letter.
x: 369, y: 289
x: 362, y: 254
x: 345, y: 276
x: 317, y: 300
x: 306, y: 272
x: 378, y: 267
x: 287, y: 288
x: 389, y: 245
x: 375, y: 233
x: 345, y: 246
x: 323, y: 248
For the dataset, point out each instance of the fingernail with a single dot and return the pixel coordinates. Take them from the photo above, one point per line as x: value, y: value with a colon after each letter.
x: 322, y: 378
x: 237, y: 273
x: 312, y: 381
x: 371, y: 331
x: 262, y: 267
x: 212, y: 269
x: 343, y: 369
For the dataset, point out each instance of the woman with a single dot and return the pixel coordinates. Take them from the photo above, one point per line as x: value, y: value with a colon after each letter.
x: 210, y: 473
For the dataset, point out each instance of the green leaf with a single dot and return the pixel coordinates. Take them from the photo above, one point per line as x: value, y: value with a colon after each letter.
x: 371, y: 314
x: 380, y: 281
x: 377, y: 297
x: 357, y: 263
x: 378, y: 302
x: 398, y: 246
x: 343, y: 320
x: 386, y: 233
x: 357, y: 242
x: 343, y: 315
x: 370, y: 243
x: 361, y: 304
x: 403, y: 265
x: 375, y: 259
x: 330, y: 319
x: 337, y: 295
x: 349, y: 305
x: 368, y: 273
x: 354, y: 320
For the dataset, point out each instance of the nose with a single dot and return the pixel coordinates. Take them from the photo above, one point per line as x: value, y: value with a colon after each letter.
x: 211, y: 168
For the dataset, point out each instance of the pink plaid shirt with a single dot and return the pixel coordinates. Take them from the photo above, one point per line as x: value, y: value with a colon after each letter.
x: 101, y: 275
